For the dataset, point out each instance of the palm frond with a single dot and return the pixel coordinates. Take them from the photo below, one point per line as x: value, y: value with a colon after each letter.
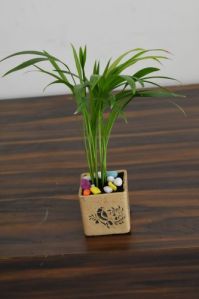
x: 102, y: 97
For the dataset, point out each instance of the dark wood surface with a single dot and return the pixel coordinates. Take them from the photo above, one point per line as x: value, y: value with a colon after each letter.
x: 43, y: 251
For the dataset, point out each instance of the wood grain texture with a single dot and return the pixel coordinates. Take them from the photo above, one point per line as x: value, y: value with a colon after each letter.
x: 42, y: 246
x: 151, y: 274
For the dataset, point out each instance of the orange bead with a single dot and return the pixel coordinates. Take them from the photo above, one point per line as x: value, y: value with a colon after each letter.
x: 86, y: 192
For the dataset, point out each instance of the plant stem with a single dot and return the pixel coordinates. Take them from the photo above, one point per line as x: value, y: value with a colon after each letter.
x: 100, y: 145
x: 96, y: 158
x: 102, y: 149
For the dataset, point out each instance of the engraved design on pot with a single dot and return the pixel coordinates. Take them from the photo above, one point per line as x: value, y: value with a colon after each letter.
x: 109, y: 217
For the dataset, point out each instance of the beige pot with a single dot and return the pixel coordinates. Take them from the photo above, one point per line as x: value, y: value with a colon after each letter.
x: 107, y: 213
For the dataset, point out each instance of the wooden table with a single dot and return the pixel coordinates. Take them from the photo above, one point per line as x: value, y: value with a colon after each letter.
x: 44, y: 253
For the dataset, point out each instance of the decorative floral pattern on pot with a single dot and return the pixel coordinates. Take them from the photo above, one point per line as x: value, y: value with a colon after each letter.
x: 108, y: 217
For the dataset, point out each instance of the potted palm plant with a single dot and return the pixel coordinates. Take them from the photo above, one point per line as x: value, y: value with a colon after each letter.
x: 101, y: 98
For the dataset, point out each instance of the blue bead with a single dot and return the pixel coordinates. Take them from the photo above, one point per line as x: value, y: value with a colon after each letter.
x: 112, y: 173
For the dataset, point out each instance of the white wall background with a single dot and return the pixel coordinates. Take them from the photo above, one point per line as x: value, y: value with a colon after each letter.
x: 108, y: 27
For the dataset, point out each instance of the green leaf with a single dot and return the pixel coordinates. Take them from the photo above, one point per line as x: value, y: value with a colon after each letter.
x: 146, y: 51
x: 85, y: 54
x: 94, y: 68
x: 67, y: 72
x: 117, y: 61
x: 55, y: 65
x: 94, y: 79
x: 98, y: 67
x: 54, y: 82
x: 145, y: 72
x: 161, y: 77
x: 118, y: 69
x: 55, y: 76
x: 131, y: 62
x: 178, y: 106
x: 156, y: 84
x: 81, y: 58
x: 25, y: 64
x: 130, y: 82
x: 106, y: 68
x: 157, y: 93
x: 24, y: 53
x: 123, y: 116
x: 112, y: 100
x: 139, y: 80
x: 123, y: 94
x: 79, y: 93
x: 77, y: 63
x: 46, y: 72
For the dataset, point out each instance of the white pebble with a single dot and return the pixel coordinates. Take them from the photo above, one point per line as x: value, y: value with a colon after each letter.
x: 110, y: 178
x: 87, y: 177
x: 108, y: 189
x: 118, y: 182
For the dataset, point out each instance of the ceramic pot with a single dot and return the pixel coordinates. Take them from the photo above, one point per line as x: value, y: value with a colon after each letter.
x: 106, y: 213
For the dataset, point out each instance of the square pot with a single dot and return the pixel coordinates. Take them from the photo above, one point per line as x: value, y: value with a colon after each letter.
x: 106, y: 213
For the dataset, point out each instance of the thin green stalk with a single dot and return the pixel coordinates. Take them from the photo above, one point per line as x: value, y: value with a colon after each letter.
x: 87, y: 152
x: 101, y: 147
x: 100, y: 144
x: 93, y: 132
x: 92, y: 153
x: 104, y: 161
x: 90, y: 143
x: 96, y: 161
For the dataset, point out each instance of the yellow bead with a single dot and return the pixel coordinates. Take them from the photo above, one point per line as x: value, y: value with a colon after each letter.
x: 95, y: 190
x: 112, y: 186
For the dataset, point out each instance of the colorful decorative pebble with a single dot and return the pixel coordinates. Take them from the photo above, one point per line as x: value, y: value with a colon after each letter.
x: 110, y: 178
x: 85, y: 184
x: 113, y: 187
x: 118, y: 182
x: 108, y: 189
x: 112, y: 173
x: 113, y: 182
x: 87, y: 177
x: 95, y: 190
x: 86, y: 192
